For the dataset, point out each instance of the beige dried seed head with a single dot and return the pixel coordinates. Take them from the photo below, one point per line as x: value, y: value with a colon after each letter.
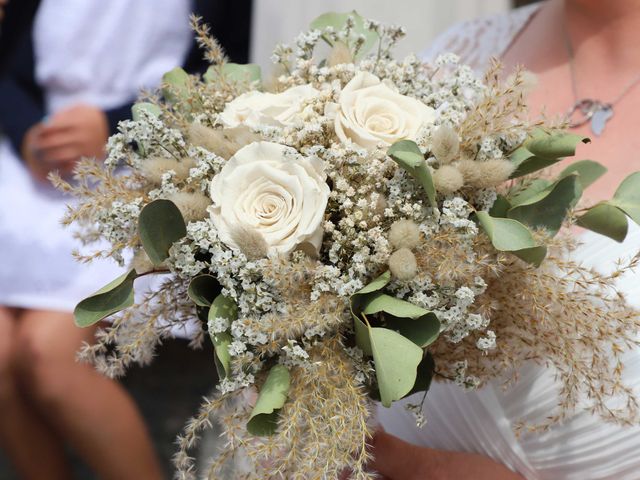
x: 340, y: 53
x: 448, y: 179
x: 192, y: 205
x: 153, y: 168
x: 485, y: 174
x: 445, y: 144
x: 224, y: 143
x: 141, y: 262
x: 404, y: 234
x: 403, y: 264
x: 249, y: 241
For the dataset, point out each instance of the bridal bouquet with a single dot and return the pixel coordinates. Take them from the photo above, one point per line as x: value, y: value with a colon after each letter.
x: 343, y: 234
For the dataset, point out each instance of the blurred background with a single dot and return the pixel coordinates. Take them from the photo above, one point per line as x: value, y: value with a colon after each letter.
x: 170, y: 390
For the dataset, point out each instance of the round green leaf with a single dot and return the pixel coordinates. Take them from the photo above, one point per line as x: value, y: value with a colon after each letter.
x: 338, y: 20
x: 627, y: 197
x: 426, y: 370
x: 380, y: 302
x: 588, y: 171
x: 508, y: 235
x: 222, y: 358
x: 175, y: 85
x: 407, y: 155
x: 377, y: 284
x: 533, y: 190
x: 549, y: 208
x: 150, y: 108
x: 396, y: 360
x: 271, y: 398
x: 113, y: 297
x: 556, y: 145
x: 160, y: 225
x: 607, y: 220
x: 203, y: 289
x: 422, y: 331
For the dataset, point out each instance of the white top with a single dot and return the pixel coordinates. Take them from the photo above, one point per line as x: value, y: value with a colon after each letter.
x: 482, y: 421
x: 97, y: 52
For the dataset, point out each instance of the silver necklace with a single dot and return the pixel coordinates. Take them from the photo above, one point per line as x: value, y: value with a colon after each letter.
x: 586, y: 110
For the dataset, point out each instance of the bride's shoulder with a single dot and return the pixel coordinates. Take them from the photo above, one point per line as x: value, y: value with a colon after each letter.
x: 476, y: 41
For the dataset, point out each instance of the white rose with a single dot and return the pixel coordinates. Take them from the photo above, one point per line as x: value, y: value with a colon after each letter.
x: 370, y: 113
x: 259, y: 108
x: 274, y: 191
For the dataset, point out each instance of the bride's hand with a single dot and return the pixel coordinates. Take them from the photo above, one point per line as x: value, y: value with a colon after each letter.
x: 399, y: 460
x: 3, y: 3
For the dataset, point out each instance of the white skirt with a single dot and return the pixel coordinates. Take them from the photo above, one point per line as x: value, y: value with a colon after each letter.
x: 37, y: 270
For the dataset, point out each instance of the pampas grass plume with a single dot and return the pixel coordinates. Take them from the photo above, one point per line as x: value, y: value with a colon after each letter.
x: 403, y: 264
x: 404, y: 234
x: 192, y: 205
x: 448, y: 179
x: 249, y: 241
x: 153, y: 168
x: 445, y: 144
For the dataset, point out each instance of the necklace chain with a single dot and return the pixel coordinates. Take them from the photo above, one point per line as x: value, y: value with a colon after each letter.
x: 591, y: 110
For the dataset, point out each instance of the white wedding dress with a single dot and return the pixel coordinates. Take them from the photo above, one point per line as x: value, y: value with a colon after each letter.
x: 86, y: 51
x: 582, y: 448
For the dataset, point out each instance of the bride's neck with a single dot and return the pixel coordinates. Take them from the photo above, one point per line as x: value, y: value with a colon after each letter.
x: 608, y: 29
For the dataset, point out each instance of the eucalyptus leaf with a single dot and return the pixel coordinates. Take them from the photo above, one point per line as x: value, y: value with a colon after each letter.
x: 607, y: 220
x: 175, y: 85
x: 377, y: 284
x: 627, y: 197
x: 407, y: 154
x: 203, y: 289
x: 556, y: 145
x: 271, y: 398
x: 112, y: 298
x: 396, y: 361
x: 533, y: 189
x: 508, y: 235
x: 500, y: 207
x: 160, y: 225
x: 338, y: 20
x: 588, y: 171
x: 549, y: 208
x: 234, y: 73
x: 426, y: 370
x: 422, y: 331
x: 150, y: 108
x: 380, y: 302
x: 362, y: 336
x: 222, y: 307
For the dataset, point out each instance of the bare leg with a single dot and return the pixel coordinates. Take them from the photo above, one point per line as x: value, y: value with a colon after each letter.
x: 92, y: 412
x: 32, y: 447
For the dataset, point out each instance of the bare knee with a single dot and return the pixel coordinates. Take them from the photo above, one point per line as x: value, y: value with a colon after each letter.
x: 7, y: 339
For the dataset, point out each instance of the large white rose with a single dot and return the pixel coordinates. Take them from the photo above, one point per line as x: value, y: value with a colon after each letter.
x: 271, y: 190
x: 370, y: 113
x: 259, y: 108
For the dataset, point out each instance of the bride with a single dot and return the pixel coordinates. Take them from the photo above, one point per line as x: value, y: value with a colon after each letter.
x: 583, y: 52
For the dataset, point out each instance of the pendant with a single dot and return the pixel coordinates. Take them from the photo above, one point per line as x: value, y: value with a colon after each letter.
x: 594, y: 111
x: 599, y: 119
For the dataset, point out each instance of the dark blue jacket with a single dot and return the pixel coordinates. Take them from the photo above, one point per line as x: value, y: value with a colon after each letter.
x: 22, y: 99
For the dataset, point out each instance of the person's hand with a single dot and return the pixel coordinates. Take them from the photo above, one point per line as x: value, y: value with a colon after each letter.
x: 68, y: 135
x: 3, y: 4
x: 396, y: 459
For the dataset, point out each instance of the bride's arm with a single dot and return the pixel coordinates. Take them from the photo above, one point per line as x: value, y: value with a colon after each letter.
x: 399, y: 460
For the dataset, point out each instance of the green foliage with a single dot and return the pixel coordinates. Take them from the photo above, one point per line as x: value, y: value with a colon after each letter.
x: 548, y: 208
x: 175, y: 85
x: 110, y: 299
x: 338, y: 21
x: 380, y: 302
x: 150, y: 108
x: 508, y: 235
x: 160, y: 225
x: 234, y: 73
x: 610, y: 217
x: 588, y: 171
x: 407, y: 154
x: 422, y: 331
x: 203, y: 289
x: 396, y: 360
x: 424, y: 376
x: 542, y: 150
x: 222, y: 307
x: 272, y: 396
x: 606, y: 220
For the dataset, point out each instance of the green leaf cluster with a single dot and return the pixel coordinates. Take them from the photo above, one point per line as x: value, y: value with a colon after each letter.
x: 112, y: 298
x: 338, y: 21
x: 397, y: 345
x: 271, y: 398
x: 234, y: 73
x: 407, y: 155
